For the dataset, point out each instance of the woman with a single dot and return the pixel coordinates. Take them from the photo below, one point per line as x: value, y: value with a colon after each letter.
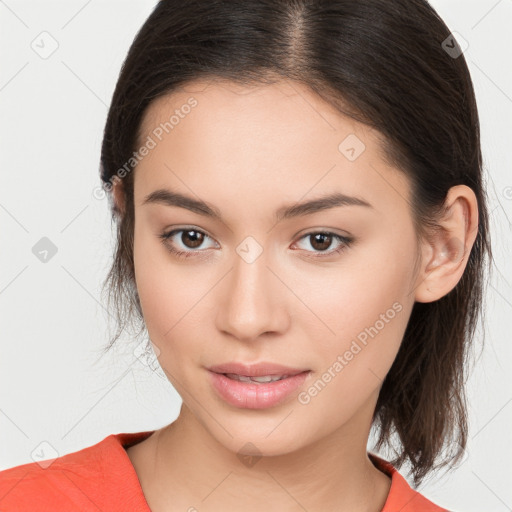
x: 302, y: 230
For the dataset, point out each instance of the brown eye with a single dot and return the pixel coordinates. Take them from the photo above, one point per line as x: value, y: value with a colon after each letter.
x: 185, y: 242
x: 321, y: 241
x: 196, y: 238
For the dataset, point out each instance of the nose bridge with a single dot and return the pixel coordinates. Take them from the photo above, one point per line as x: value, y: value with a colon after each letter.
x: 252, y: 304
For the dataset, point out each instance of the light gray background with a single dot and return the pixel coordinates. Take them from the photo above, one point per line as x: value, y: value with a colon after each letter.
x: 53, y: 324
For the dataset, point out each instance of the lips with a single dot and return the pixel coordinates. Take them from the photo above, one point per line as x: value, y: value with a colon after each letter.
x: 262, y: 369
x: 244, y: 393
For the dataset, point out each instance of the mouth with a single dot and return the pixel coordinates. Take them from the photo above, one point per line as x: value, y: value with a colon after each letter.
x: 264, y: 379
x: 256, y: 391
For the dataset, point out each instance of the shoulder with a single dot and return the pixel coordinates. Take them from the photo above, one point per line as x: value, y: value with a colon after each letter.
x: 88, y: 479
x: 401, y: 495
x: 60, y: 483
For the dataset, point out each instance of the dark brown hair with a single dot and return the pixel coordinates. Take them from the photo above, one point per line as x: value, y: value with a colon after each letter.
x: 391, y: 64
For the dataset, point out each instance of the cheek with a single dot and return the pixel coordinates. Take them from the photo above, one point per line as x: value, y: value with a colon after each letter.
x: 364, y: 306
x: 170, y: 296
x: 151, y: 278
x: 155, y: 285
x: 368, y: 328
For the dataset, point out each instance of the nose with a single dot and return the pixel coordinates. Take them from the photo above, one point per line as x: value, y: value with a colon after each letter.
x: 253, y: 300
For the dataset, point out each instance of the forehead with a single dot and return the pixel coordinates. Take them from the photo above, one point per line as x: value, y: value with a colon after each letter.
x: 222, y: 107
x: 279, y: 140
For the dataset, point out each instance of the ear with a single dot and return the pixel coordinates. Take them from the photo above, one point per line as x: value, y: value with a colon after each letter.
x: 119, y: 198
x: 445, y: 254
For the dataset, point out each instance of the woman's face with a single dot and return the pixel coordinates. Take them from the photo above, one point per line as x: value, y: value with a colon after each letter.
x: 254, y: 287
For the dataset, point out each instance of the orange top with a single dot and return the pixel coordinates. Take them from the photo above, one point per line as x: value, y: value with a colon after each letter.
x: 102, y: 477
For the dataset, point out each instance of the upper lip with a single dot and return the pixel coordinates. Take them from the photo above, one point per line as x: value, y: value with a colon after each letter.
x: 255, y: 369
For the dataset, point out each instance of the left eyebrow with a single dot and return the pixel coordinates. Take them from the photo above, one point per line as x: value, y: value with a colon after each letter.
x: 334, y: 200
x: 327, y: 202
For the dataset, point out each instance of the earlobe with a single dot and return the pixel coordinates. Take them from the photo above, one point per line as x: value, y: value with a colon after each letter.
x: 446, y: 253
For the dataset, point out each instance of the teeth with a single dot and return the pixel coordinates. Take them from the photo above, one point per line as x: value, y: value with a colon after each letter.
x: 263, y: 379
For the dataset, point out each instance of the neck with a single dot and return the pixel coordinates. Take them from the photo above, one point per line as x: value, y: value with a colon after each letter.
x: 192, y: 469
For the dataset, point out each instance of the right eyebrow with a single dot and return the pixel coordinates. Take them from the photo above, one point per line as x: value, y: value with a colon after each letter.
x: 170, y: 198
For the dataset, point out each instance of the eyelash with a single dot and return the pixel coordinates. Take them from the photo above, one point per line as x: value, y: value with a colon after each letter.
x: 346, y: 242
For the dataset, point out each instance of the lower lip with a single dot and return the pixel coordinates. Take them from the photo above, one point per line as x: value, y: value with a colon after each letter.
x: 249, y: 395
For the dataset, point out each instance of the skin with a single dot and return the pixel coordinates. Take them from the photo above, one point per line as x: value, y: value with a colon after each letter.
x: 248, y: 151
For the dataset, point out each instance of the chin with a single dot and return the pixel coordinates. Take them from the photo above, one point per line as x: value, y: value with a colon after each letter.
x: 268, y: 439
